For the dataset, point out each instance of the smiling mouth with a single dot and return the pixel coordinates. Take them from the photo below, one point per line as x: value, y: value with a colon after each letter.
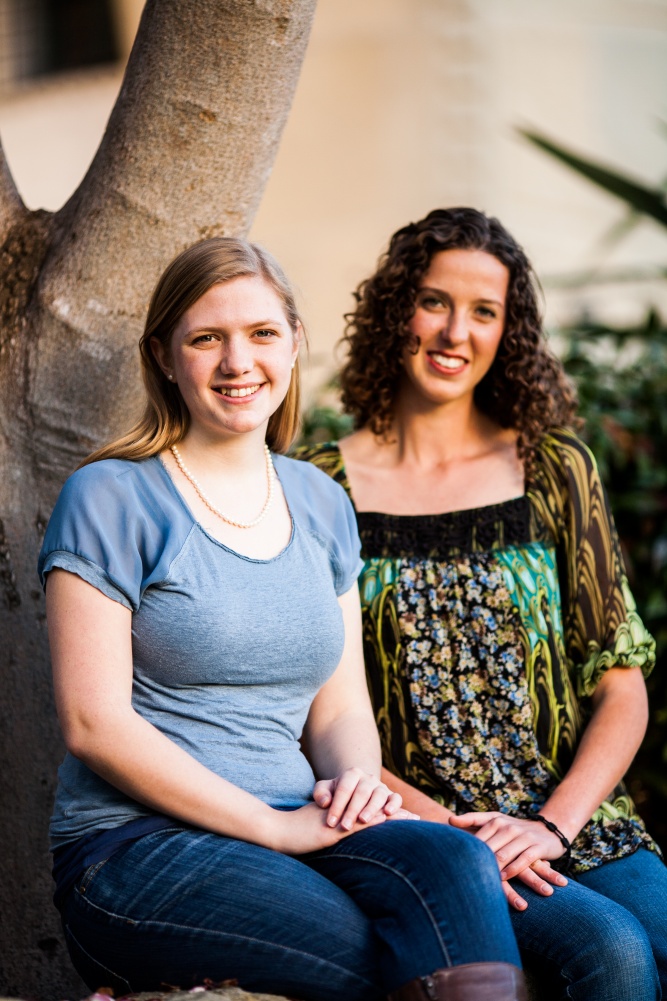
x: 452, y: 363
x: 234, y: 393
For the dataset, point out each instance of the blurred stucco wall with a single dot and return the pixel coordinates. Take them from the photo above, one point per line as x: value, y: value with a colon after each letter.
x: 405, y: 105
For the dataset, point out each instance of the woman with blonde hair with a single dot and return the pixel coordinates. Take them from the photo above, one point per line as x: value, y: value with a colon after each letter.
x: 204, y: 617
x: 503, y: 648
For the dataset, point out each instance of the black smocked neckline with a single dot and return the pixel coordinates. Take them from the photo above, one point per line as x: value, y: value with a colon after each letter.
x: 440, y: 536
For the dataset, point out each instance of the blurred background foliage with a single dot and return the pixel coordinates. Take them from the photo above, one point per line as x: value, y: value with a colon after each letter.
x: 621, y: 378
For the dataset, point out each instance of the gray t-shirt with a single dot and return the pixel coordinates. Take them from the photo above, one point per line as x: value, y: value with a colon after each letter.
x: 228, y: 651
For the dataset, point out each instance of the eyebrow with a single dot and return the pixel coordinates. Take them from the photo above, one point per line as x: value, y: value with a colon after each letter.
x: 439, y: 291
x: 211, y: 327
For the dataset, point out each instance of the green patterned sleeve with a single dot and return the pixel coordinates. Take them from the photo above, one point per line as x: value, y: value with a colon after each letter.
x: 326, y: 456
x: 601, y: 624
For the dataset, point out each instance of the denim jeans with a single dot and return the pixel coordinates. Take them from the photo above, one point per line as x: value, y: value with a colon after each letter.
x: 603, y: 937
x: 355, y: 921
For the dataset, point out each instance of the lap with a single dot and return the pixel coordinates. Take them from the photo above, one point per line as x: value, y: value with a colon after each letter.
x: 179, y: 906
x: 639, y: 883
x: 589, y: 938
x: 182, y: 905
x: 433, y: 892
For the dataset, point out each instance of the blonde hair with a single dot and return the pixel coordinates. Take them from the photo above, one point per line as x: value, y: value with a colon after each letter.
x: 166, y: 419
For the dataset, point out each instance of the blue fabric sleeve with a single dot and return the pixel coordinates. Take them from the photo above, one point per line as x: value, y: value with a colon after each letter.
x: 324, y: 508
x: 107, y: 528
x: 349, y: 544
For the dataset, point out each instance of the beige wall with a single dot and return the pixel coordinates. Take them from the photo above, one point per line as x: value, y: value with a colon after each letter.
x: 405, y: 105
x: 408, y: 104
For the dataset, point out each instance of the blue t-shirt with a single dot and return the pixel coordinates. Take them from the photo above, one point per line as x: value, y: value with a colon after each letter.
x: 228, y: 651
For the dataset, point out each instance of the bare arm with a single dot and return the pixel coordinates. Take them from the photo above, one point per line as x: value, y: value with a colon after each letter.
x: 608, y: 746
x: 342, y: 738
x: 92, y: 663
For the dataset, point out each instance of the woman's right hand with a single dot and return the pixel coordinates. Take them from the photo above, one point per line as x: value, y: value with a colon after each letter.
x: 497, y: 830
x: 540, y: 877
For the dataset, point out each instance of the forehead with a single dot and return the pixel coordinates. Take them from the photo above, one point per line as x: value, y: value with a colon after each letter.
x: 238, y: 302
x: 474, y: 271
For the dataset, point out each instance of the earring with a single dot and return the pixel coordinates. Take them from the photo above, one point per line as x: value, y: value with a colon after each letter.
x: 170, y: 377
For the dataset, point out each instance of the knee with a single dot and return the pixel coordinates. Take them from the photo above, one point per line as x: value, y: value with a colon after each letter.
x: 444, y: 850
x: 628, y: 958
x: 618, y: 953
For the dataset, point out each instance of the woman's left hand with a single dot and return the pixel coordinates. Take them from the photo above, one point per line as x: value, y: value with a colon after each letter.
x: 516, y: 843
x: 354, y: 796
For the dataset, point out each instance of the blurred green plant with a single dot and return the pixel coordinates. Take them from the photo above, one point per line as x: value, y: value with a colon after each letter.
x: 638, y: 197
x: 323, y: 420
x: 621, y: 377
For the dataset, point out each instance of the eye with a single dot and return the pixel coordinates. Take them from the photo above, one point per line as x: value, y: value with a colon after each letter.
x: 431, y: 302
x: 265, y: 334
x: 487, y: 312
x: 203, y: 339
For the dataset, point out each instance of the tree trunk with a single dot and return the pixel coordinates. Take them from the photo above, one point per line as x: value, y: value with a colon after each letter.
x: 187, y: 151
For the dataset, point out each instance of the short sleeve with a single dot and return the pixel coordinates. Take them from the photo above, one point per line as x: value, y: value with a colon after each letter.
x: 107, y: 528
x: 348, y: 549
x: 601, y: 624
x: 325, y: 509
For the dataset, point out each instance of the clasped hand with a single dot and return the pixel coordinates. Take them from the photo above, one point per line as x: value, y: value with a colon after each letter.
x: 348, y: 803
x: 522, y: 849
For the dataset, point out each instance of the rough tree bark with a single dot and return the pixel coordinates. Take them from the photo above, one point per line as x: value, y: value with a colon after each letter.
x: 186, y: 154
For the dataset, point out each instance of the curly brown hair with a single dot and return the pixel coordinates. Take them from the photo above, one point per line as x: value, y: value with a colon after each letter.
x: 525, y: 388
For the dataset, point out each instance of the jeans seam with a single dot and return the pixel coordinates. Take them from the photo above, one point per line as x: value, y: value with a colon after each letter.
x: 415, y: 890
x: 147, y: 923
x: 89, y: 874
x: 107, y: 969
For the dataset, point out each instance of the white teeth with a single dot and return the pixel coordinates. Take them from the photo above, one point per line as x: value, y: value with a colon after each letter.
x: 245, y: 391
x: 446, y: 362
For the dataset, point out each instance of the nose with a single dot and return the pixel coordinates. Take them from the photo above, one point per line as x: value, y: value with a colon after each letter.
x: 236, y: 358
x: 455, y: 331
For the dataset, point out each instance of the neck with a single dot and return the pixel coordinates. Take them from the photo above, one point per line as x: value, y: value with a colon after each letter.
x: 428, y: 435
x: 241, y: 452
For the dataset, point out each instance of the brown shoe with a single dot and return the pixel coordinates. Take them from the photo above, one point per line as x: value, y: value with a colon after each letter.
x: 470, y: 982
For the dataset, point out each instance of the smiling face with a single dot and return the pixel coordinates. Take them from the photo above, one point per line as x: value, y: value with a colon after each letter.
x: 231, y: 355
x: 458, y: 324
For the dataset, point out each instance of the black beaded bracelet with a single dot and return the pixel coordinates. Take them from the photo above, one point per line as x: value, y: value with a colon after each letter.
x: 565, y: 861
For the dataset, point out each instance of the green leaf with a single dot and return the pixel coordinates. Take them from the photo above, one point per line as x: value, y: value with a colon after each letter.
x: 649, y: 201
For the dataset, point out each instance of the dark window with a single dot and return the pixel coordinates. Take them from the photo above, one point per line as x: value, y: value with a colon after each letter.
x: 78, y: 33
x: 38, y: 37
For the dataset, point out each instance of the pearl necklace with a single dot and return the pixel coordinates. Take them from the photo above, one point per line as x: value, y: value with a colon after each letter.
x: 270, y: 475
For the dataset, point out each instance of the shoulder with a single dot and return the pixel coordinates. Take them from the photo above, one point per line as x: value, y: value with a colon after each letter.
x: 142, y: 484
x: 564, y: 447
x: 322, y: 508
x: 325, y: 455
x: 122, y: 519
x: 315, y: 484
x: 107, y: 478
x: 564, y: 459
x: 566, y: 485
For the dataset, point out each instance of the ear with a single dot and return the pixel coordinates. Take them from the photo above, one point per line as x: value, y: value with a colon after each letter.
x: 299, y: 337
x: 162, y: 355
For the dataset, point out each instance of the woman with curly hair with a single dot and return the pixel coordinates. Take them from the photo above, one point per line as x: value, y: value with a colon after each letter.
x: 504, y: 653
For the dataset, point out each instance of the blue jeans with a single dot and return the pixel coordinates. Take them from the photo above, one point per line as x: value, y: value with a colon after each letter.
x: 355, y: 921
x: 603, y: 937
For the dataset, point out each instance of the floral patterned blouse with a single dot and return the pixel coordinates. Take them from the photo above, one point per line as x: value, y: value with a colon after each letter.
x: 486, y: 632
